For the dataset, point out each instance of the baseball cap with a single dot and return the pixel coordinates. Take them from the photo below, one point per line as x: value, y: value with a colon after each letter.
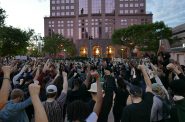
x: 51, y: 89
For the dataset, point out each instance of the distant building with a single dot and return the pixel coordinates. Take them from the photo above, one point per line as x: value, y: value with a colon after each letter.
x: 179, y: 34
x: 90, y: 23
x: 178, y: 48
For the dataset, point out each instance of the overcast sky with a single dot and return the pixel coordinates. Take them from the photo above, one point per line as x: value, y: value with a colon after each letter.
x: 29, y: 13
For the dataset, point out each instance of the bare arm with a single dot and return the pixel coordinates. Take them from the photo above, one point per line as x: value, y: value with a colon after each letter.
x: 158, y: 80
x: 146, y: 78
x: 98, y: 104
x: 4, y: 92
x: 40, y: 114
x: 65, y: 83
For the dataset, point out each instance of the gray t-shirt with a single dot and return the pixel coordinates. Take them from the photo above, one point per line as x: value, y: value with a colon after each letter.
x: 157, y: 110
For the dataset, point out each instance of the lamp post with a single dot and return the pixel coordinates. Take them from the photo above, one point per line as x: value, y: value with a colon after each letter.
x: 90, y: 48
x: 65, y: 53
x: 122, y: 52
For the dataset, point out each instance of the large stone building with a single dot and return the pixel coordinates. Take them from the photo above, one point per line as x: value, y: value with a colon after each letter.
x: 178, y: 48
x: 90, y: 23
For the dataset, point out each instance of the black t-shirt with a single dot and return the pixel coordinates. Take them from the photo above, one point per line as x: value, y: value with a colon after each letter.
x: 120, y: 99
x: 139, y: 112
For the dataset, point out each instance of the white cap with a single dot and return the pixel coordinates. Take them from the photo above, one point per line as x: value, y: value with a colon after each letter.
x: 93, y: 87
x: 51, y: 89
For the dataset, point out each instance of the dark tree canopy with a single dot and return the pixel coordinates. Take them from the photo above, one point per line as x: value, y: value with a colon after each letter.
x: 146, y: 36
x: 2, y: 16
x: 56, y: 43
x: 13, y: 41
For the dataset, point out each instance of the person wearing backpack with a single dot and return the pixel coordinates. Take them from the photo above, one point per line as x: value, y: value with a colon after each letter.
x: 178, y: 88
x: 161, y: 108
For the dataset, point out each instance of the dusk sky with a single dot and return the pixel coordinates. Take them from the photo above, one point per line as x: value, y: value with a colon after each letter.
x: 29, y: 13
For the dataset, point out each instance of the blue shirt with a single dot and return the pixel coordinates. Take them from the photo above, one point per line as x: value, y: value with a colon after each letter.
x: 15, y: 112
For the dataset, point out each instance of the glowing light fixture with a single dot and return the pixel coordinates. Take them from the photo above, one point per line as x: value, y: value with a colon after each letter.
x: 97, y: 51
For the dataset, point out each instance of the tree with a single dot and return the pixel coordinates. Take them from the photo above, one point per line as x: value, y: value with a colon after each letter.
x: 146, y: 36
x: 57, y: 43
x: 2, y: 17
x: 13, y: 41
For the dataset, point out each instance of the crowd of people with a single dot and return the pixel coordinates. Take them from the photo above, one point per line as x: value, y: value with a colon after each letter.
x: 151, y: 89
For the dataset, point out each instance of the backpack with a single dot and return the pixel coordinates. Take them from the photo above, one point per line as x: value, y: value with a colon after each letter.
x: 167, y: 107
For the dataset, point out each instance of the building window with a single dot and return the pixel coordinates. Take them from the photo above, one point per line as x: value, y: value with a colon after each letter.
x: 58, y: 7
x: 83, y: 7
x: 53, y: 8
x: 60, y: 23
x: 108, y: 32
x: 53, y: 1
x: 67, y: 1
x: 58, y: 13
x: 70, y: 32
x: 131, y: 5
x: 62, y: 13
x: 126, y: 11
x: 136, y: 5
x: 109, y: 6
x: 62, y: 1
x: 79, y: 33
x: 58, y: 2
x: 53, y: 14
x: 121, y: 11
x: 67, y: 13
x: 131, y: 11
x: 72, y: 7
x: 96, y: 6
x: 62, y: 31
x: 51, y: 23
x: 67, y: 7
x: 141, y: 4
x: 62, y: 7
x: 136, y: 11
x: 121, y: 5
x: 72, y: 1
x: 124, y: 22
x: 126, y: 5
x: 72, y: 13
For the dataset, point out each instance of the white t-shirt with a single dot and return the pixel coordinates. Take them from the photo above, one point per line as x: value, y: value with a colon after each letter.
x: 92, y: 117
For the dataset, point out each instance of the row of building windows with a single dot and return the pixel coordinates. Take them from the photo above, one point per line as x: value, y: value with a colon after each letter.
x: 129, y: 11
x: 62, y: 7
x: 129, y: 0
x: 61, y: 1
x: 95, y: 22
x: 96, y: 6
x: 62, y: 13
x: 131, y: 5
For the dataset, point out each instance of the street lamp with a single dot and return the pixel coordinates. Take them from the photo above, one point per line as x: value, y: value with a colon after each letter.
x: 65, y: 53
x: 122, y: 52
x: 90, y: 39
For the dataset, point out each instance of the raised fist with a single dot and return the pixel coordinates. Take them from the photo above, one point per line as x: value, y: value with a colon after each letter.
x: 34, y: 89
